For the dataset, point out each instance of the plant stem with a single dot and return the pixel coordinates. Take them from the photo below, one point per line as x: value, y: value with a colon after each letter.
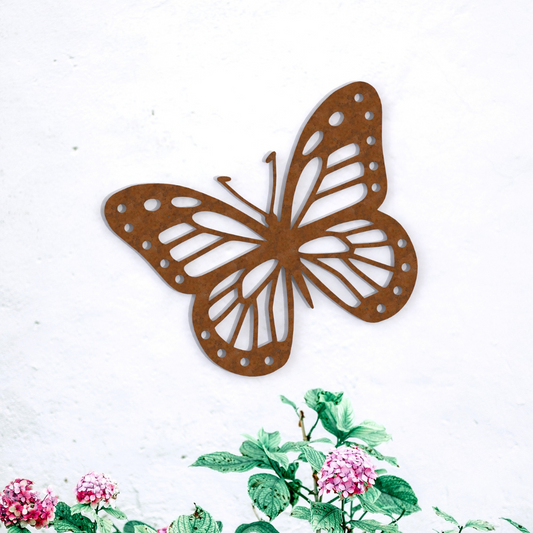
x: 302, y: 426
x: 255, y: 512
x: 306, y: 439
x: 343, y: 501
x: 361, y: 517
x: 312, y: 429
x: 403, y: 512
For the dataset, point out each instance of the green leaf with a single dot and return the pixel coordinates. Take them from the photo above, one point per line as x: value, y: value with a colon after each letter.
x: 518, y: 526
x: 279, y: 458
x: 293, y: 446
x: 314, y: 398
x: 396, y: 496
x: 303, y: 513
x: 480, y: 525
x: 269, y: 494
x: 117, y: 513
x: 372, y: 525
x: 323, y: 439
x: 290, y: 473
x: 66, y: 521
x: 84, y: 509
x: 226, y: 462
x: 446, y: 516
x: 381, y: 471
x: 253, y: 450
x: 345, y: 416
x: 220, y: 525
x: 326, y: 516
x: 134, y: 526
x: 257, y: 527
x: 105, y: 525
x: 288, y: 402
x: 368, y: 501
x: 250, y: 438
x: 17, y: 529
x: 269, y: 441
x: 198, y: 522
x: 314, y: 457
x: 370, y: 432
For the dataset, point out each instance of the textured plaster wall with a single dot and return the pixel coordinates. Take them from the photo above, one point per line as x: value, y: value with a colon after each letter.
x: 99, y: 369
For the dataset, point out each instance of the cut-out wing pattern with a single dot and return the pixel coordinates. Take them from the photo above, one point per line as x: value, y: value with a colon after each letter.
x: 329, y: 233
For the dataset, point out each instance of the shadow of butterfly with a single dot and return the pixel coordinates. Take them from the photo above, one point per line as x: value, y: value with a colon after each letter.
x: 328, y: 233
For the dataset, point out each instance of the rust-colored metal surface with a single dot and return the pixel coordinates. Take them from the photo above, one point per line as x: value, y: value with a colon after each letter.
x: 328, y: 233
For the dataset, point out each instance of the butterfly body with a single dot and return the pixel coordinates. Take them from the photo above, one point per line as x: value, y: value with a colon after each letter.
x: 243, y: 281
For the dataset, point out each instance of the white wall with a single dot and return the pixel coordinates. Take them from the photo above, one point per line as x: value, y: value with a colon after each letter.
x: 99, y: 367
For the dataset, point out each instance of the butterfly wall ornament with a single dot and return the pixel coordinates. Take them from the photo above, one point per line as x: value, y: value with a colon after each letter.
x: 243, y: 269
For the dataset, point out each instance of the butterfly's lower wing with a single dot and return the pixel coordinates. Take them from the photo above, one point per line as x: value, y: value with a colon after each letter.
x: 245, y: 324
x: 167, y: 225
x: 366, y: 264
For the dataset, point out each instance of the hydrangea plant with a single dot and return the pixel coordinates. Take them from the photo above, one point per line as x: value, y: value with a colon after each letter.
x: 339, y: 491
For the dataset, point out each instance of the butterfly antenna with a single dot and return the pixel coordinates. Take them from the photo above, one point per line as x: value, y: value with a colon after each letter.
x: 271, y: 157
x: 223, y: 180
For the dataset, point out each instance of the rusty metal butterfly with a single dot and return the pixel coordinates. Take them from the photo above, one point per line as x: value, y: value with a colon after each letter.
x: 329, y: 233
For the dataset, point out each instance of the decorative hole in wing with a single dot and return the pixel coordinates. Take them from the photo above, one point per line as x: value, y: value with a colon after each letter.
x: 305, y: 185
x: 221, y: 255
x: 343, y: 154
x: 257, y: 276
x: 379, y: 254
x: 280, y: 307
x: 152, y: 204
x: 333, y: 282
x: 222, y: 305
x: 323, y: 245
x: 175, y: 232
x: 193, y: 245
x: 245, y: 336
x: 371, y: 236
x: 226, y: 327
x: 343, y: 175
x: 185, y: 201
x: 226, y: 283
x: 350, y: 226
x: 224, y: 224
x: 313, y: 142
x: 264, y: 334
x: 336, y: 119
x: 334, y: 202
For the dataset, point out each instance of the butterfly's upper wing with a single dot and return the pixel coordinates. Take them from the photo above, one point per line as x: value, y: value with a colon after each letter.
x: 242, y: 313
x: 368, y: 265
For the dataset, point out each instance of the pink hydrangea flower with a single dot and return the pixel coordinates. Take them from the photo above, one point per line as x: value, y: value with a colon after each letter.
x: 96, y: 489
x: 346, y: 471
x: 162, y: 530
x: 22, y: 506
